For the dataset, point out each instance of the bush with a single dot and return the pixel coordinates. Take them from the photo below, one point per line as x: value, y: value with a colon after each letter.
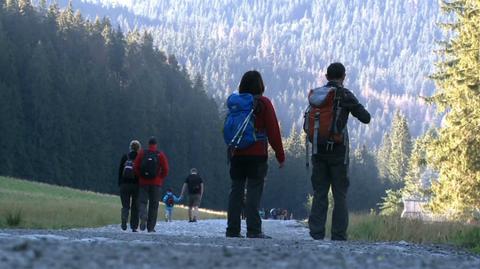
x: 392, y: 204
x: 469, y: 238
x: 14, y: 218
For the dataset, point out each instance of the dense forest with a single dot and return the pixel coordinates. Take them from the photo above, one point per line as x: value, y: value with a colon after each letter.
x: 386, y: 46
x: 73, y: 93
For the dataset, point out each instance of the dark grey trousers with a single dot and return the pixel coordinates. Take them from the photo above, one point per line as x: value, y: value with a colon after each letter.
x: 149, y: 196
x: 329, y: 172
x: 129, y: 198
x: 249, y: 171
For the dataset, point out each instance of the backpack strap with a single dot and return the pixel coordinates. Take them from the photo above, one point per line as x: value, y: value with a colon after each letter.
x: 306, y: 126
x: 316, y: 127
x: 337, y: 99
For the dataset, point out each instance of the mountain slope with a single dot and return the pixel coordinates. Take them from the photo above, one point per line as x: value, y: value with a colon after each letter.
x: 386, y: 46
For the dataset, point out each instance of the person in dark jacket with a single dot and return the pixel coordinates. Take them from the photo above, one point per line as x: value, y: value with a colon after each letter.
x: 128, y: 183
x: 249, y: 166
x: 152, y: 167
x: 330, y: 165
x: 194, y: 187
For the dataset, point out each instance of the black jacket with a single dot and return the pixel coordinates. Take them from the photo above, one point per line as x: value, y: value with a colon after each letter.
x: 131, y: 155
x: 349, y: 105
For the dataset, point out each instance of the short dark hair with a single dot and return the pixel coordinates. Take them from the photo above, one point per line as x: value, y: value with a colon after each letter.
x: 152, y: 141
x: 251, y: 82
x: 335, y: 71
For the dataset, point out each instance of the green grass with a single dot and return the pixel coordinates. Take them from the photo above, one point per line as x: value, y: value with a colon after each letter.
x: 369, y: 227
x: 26, y: 204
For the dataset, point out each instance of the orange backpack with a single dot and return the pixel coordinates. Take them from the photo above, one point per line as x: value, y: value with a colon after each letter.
x: 320, y: 123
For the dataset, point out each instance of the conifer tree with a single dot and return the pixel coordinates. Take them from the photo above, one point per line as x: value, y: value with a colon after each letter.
x: 456, y: 152
x: 383, y: 157
x: 419, y: 176
x: 401, y: 147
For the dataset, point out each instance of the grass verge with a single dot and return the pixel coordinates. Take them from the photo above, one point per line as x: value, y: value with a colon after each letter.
x: 370, y: 227
x: 27, y: 204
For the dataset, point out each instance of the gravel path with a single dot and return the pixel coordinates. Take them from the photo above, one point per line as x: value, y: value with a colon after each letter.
x: 202, y: 245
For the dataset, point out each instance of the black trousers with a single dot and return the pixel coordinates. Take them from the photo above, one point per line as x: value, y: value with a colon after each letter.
x: 149, y: 195
x: 129, y: 198
x: 249, y: 171
x: 329, y: 172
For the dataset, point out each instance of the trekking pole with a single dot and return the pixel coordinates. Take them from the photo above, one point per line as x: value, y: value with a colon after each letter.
x: 239, y: 135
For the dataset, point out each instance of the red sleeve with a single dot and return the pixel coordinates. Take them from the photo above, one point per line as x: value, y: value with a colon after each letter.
x: 137, y: 162
x: 273, y: 131
x: 162, y: 159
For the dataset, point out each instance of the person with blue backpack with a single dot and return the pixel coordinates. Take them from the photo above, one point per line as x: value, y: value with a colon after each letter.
x: 170, y: 200
x: 250, y: 126
x: 128, y: 184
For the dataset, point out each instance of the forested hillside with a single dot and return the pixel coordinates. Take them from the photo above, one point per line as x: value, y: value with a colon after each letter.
x: 73, y: 93
x: 386, y: 46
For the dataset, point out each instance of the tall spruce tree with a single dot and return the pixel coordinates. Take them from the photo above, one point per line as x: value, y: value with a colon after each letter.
x: 400, y: 149
x: 420, y: 176
x: 383, y: 157
x: 456, y: 152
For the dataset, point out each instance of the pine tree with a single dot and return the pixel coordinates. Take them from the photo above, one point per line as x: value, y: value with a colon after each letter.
x: 294, y: 145
x: 383, y: 157
x: 419, y: 176
x: 401, y: 147
x: 456, y: 152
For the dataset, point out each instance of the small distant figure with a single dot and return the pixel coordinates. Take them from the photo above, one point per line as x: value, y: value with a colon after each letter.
x: 170, y: 200
x: 285, y: 214
x: 194, y: 185
x: 273, y: 213
x: 261, y: 212
x: 152, y: 167
x: 128, y: 184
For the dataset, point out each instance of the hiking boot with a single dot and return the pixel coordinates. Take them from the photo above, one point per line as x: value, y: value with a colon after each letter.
x: 124, y: 225
x: 317, y: 237
x: 134, y: 230
x: 152, y: 231
x: 260, y: 236
x: 230, y: 235
x: 143, y: 225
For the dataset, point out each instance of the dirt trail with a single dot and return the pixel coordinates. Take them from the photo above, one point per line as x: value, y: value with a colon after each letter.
x: 202, y: 245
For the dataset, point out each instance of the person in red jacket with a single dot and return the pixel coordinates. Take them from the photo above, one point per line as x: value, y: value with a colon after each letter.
x: 151, y: 166
x: 249, y: 166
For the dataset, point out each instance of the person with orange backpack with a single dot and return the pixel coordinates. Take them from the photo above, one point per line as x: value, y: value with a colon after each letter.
x: 326, y: 128
x: 151, y: 166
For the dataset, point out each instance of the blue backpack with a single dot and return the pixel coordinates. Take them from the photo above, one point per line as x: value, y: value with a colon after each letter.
x: 239, y: 128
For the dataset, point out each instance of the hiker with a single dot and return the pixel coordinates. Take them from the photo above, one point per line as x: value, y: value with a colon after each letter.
x: 273, y: 213
x: 262, y: 213
x: 128, y: 184
x: 152, y: 167
x: 170, y: 200
x: 326, y: 128
x: 194, y: 186
x: 250, y: 125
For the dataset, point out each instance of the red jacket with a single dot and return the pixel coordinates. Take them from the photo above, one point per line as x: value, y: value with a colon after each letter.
x: 162, y: 172
x: 266, y: 121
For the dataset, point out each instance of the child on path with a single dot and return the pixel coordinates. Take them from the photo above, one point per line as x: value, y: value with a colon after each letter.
x: 170, y: 200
